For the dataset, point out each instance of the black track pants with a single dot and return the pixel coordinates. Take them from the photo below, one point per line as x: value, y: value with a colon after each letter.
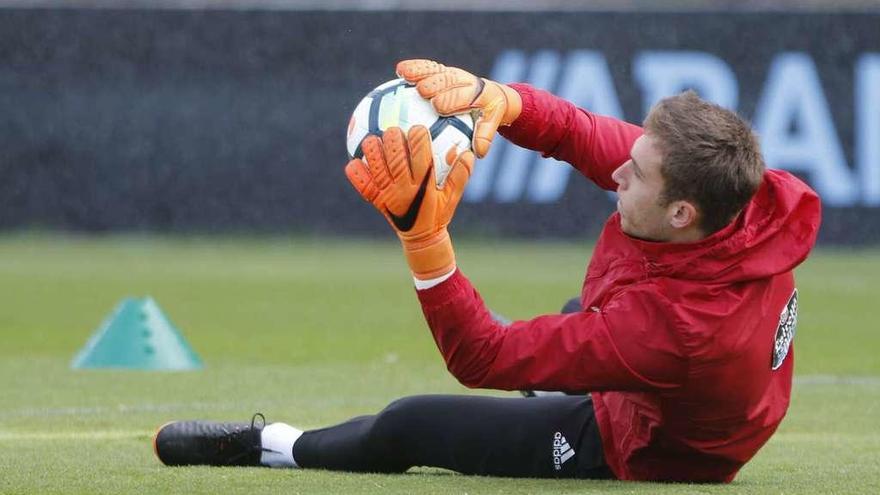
x: 544, y: 437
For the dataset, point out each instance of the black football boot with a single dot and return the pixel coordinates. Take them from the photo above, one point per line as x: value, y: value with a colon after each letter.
x: 187, y: 443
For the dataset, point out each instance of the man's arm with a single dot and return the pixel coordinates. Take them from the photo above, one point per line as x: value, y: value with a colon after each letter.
x: 626, y: 345
x: 533, y: 119
x: 594, y: 144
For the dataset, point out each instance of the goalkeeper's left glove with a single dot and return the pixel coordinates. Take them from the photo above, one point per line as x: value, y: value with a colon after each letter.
x: 453, y: 91
x: 398, y: 179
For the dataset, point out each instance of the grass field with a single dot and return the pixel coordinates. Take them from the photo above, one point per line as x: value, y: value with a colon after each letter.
x: 313, y: 331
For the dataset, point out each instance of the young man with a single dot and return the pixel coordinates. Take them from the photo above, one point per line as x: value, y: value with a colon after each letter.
x: 688, y: 306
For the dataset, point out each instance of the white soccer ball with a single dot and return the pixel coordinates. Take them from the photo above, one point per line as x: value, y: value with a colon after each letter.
x: 397, y: 104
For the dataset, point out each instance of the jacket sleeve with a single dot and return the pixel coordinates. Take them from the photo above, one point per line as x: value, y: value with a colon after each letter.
x: 594, y: 144
x: 624, y: 346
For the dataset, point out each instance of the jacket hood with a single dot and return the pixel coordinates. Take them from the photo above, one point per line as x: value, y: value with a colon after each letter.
x: 773, y: 234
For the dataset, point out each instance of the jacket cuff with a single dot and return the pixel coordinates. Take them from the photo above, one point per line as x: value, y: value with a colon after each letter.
x: 525, y: 121
x: 442, y: 293
x: 432, y: 282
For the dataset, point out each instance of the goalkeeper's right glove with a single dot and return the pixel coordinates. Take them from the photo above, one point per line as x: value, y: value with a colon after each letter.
x: 397, y: 177
x: 453, y: 91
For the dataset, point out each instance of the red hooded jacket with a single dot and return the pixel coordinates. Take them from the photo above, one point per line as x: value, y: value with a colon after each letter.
x: 686, y: 348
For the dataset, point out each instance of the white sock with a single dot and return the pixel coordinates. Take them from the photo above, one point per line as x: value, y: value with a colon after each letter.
x: 277, y: 440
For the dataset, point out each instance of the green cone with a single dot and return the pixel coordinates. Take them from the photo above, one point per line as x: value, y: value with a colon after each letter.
x: 137, y: 335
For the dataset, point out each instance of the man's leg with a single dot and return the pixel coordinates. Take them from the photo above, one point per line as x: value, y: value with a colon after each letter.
x: 573, y: 305
x: 543, y: 437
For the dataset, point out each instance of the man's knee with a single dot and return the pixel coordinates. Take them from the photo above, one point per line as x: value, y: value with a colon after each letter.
x: 392, y: 424
x: 387, y: 438
x: 572, y: 306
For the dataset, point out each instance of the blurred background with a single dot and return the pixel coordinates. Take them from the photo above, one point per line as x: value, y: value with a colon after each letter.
x: 228, y: 116
x: 193, y: 151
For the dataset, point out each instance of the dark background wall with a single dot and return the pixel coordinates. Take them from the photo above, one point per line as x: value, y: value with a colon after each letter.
x: 234, y: 120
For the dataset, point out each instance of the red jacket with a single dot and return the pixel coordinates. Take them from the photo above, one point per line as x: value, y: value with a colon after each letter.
x: 676, y: 342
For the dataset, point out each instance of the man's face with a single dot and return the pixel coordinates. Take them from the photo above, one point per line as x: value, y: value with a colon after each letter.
x: 639, y: 190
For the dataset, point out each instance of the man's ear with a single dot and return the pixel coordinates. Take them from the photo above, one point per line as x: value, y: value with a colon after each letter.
x: 684, y: 214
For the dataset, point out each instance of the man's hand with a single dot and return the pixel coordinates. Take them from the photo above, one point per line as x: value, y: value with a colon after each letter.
x: 454, y: 91
x: 397, y: 177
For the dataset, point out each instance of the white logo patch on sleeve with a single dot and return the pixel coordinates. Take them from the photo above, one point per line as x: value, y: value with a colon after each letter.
x: 785, y: 331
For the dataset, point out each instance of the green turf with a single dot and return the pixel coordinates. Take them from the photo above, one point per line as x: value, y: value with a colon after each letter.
x: 313, y: 331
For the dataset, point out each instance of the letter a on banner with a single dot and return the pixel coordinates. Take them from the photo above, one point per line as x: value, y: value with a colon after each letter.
x: 510, y: 66
x: 868, y: 127
x: 793, y: 99
x: 667, y: 73
x: 586, y: 82
x: 513, y: 174
x: 509, y: 172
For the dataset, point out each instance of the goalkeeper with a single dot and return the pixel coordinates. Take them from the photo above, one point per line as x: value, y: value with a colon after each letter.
x: 683, y: 332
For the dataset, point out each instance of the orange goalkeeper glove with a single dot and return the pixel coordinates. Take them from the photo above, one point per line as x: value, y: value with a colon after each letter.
x: 398, y: 179
x: 454, y: 91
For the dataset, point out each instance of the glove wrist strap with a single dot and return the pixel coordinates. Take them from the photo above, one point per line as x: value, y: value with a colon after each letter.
x: 431, y: 257
x: 514, y: 104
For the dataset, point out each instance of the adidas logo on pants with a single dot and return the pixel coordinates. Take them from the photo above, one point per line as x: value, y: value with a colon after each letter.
x: 562, y: 451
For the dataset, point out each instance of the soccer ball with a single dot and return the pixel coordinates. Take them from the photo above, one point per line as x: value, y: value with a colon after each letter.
x: 397, y: 104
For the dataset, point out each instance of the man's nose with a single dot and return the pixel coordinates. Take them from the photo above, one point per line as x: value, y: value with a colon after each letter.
x: 617, y: 175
